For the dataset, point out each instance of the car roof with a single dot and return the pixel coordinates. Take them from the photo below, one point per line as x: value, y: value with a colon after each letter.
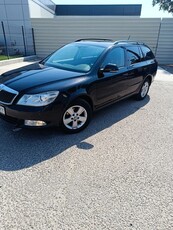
x: 96, y: 43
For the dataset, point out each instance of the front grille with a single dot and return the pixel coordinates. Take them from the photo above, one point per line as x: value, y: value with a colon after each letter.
x: 7, y: 95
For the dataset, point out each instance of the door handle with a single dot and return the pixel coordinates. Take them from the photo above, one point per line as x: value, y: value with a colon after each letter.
x: 131, y: 66
x: 125, y: 75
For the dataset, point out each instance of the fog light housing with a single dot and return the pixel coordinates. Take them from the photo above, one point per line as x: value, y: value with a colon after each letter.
x: 34, y: 123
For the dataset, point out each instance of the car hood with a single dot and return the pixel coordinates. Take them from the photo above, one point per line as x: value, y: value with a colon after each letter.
x: 38, y: 76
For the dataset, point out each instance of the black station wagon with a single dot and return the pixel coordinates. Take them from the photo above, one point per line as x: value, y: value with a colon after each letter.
x: 65, y: 88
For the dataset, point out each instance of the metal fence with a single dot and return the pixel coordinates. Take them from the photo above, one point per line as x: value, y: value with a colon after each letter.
x: 52, y: 33
x: 16, y: 41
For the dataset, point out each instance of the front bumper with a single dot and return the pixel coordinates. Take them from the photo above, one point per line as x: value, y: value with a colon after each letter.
x: 17, y: 114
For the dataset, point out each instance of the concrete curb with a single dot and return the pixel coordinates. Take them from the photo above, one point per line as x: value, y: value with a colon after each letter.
x: 165, y: 71
x: 17, y: 60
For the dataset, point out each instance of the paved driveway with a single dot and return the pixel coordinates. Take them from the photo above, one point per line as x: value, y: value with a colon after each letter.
x: 117, y: 174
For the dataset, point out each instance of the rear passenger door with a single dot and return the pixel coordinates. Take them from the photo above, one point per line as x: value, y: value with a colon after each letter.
x: 149, y: 61
x: 135, y: 67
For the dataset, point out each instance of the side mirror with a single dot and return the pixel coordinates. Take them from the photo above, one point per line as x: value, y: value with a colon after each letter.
x: 110, y: 68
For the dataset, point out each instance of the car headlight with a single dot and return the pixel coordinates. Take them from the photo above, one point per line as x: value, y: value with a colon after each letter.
x: 40, y: 99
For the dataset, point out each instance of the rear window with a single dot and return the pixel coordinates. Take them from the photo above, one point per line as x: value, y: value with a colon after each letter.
x: 148, y: 54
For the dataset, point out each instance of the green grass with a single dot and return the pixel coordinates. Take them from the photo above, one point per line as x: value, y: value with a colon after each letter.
x: 4, y: 57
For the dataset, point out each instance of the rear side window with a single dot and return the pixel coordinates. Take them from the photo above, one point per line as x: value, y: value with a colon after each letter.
x: 148, y: 54
x: 134, y: 55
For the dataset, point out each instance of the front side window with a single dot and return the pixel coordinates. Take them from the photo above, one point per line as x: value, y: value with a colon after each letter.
x: 133, y: 55
x: 76, y: 57
x: 115, y: 57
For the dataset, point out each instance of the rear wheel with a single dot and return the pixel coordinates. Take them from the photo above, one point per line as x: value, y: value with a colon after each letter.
x: 76, y: 116
x: 144, y: 90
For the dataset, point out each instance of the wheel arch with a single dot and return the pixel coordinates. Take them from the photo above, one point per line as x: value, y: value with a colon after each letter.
x: 87, y: 99
x: 150, y: 78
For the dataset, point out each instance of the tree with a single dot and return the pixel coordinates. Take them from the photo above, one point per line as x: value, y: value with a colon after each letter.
x: 165, y: 5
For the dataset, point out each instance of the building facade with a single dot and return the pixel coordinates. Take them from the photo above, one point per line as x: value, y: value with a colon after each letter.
x: 56, y: 25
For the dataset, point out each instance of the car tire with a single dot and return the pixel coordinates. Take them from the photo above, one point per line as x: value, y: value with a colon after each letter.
x: 76, y: 116
x: 143, y: 90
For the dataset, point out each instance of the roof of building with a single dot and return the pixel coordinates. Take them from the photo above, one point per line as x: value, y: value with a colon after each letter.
x: 99, y: 10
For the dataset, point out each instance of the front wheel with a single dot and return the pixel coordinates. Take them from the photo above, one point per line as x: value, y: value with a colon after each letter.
x: 76, y: 116
x: 144, y: 90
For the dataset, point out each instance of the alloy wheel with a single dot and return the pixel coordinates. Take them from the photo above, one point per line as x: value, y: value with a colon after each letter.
x: 75, y: 117
x: 144, y: 89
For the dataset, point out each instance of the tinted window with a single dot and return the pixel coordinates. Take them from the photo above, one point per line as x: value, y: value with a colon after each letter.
x: 133, y: 55
x: 116, y: 57
x: 148, y: 54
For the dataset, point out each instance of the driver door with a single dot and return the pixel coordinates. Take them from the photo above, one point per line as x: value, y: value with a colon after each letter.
x: 112, y: 85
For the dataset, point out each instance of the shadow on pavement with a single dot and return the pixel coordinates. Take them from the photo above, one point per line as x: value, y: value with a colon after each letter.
x: 23, y: 149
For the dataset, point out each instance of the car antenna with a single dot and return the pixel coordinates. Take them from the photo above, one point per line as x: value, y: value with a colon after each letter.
x: 129, y: 37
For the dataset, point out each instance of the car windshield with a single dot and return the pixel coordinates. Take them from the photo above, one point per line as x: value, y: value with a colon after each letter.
x: 75, y: 57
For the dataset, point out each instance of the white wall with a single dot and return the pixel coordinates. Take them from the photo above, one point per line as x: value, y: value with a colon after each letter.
x: 38, y: 10
x: 15, y: 12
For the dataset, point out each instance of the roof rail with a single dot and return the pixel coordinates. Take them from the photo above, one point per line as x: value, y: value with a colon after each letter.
x: 94, y: 39
x: 127, y: 41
